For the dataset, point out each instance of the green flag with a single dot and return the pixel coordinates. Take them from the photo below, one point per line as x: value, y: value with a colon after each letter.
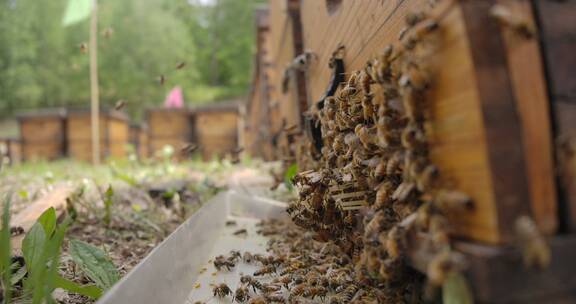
x: 76, y: 11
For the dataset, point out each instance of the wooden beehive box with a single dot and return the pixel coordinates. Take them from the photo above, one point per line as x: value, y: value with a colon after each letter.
x: 114, y: 131
x: 256, y: 129
x: 43, y: 134
x: 489, y: 127
x: 172, y: 127
x: 12, y: 149
x: 216, y: 129
x: 139, y: 139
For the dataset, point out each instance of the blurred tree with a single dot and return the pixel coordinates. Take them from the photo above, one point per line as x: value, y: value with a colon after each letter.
x: 41, y: 64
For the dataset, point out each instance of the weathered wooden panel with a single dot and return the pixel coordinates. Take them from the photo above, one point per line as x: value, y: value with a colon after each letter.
x: 12, y: 149
x: 483, y: 106
x: 558, y: 40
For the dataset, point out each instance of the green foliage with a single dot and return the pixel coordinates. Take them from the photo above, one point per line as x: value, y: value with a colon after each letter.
x: 41, y: 251
x: 290, y: 172
x: 41, y: 64
x: 5, y: 260
x: 456, y: 290
x: 94, y: 262
x: 108, y: 199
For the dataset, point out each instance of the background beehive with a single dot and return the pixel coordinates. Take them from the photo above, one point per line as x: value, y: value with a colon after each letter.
x: 216, y: 129
x: 43, y: 134
x: 488, y: 124
x: 169, y: 127
x: 113, y: 134
x: 11, y: 148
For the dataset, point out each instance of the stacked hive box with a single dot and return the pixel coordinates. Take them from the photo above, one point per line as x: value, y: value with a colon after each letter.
x: 216, y: 129
x: 43, y: 134
x: 172, y: 127
x: 113, y: 134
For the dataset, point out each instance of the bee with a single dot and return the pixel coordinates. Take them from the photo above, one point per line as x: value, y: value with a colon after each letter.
x: 161, y: 79
x: 285, y: 280
x: 453, y: 200
x: 221, y: 290
x: 119, y: 105
x: 382, y: 194
x: 364, y: 135
x: 297, y: 290
x: 393, y: 164
x: 107, y: 33
x: 241, y: 294
x: 274, y: 298
x: 242, y: 231
x: 189, y: 148
x: 230, y: 223
x: 83, y: 47
x: 346, y: 295
x: 441, y: 265
x: 316, y: 291
x: 247, y: 257
x: 265, y: 270
x: 396, y: 241
x: 403, y: 192
x: 220, y: 262
x: 180, y: 65
x: 257, y: 300
x: 269, y: 288
x: 251, y: 282
x: 16, y: 230
x: 517, y: 23
x: 234, y: 255
x: 535, y: 251
x: 427, y: 177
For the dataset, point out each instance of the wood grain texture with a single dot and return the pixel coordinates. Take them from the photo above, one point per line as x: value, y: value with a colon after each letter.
x: 558, y: 40
x: 216, y: 132
x: 529, y: 85
x: 42, y: 137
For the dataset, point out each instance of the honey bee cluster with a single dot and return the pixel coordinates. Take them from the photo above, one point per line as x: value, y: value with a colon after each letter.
x: 374, y: 182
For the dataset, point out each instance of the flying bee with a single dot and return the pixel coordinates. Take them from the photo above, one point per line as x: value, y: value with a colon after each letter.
x: 241, y: 294
x: 535, y: 251
x: 161, y: 79
x: 189, y: 148
x: 221, y: 290
x: 230, y: 223
x: 83, y: 47
x: 119, y: 105
x: 180, y: 65
x: 107, y: 33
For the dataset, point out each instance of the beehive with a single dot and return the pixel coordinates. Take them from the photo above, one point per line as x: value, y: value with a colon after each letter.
x: 139, y: 139
x: 216, y: 129
x: 172, y: 127
x: 43, y: 134
x: 114, y: 136
x: 488, y: 127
